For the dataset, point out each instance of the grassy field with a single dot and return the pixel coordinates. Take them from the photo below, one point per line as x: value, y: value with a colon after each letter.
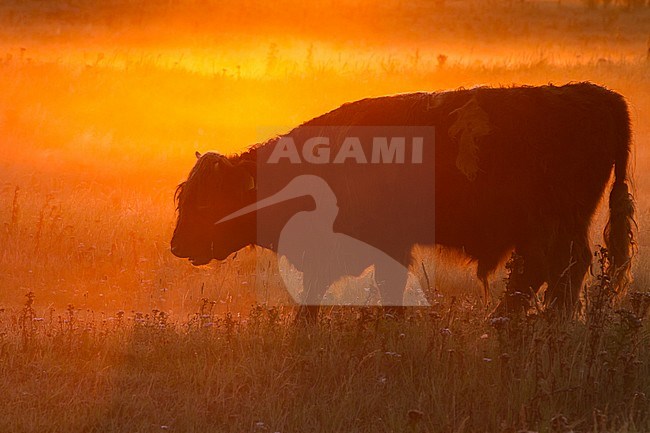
x: 102, y: 105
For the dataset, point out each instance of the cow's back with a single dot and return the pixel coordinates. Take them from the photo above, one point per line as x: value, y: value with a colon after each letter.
x: 535, y: 150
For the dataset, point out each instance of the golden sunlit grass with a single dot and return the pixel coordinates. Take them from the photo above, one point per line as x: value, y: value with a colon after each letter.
x: 444, y: 369
x: 96, y: 178
x: 99, y: 120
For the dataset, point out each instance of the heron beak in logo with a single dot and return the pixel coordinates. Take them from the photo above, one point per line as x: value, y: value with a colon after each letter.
x: 298, y: 187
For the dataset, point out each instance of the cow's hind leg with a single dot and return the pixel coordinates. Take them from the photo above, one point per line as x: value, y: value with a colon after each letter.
x: 570, y: 259
x: 486, y: 288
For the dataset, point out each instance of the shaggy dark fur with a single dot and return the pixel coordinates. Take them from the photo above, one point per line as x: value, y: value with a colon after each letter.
x: 520, y: 168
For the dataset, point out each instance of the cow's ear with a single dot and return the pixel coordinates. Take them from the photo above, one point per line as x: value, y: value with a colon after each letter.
x: 197, y: 154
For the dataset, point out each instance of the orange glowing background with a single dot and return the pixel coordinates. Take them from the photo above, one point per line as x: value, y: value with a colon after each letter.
x: 102, y: 105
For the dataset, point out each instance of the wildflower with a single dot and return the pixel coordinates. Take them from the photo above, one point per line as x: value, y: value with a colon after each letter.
x: 499, y: 322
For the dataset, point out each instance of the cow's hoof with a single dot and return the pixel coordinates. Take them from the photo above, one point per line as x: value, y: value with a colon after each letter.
x: 512, y: 304
x: 306, y: 315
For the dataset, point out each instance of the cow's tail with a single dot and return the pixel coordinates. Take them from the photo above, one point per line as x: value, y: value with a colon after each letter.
x: 619, y: 231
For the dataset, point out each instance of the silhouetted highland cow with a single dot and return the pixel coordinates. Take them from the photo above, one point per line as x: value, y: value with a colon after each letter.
x: 520, y: 168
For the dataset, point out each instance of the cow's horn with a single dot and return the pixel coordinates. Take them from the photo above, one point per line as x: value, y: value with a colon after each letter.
x: 222, y: 161
x: 250, y: 182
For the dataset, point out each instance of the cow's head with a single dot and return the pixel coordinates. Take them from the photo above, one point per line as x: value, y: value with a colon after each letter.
x: 215, y: 187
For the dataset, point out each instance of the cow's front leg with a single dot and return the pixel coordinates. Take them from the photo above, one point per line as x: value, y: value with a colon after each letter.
x: 314, y: 288
x: 390, y: 277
